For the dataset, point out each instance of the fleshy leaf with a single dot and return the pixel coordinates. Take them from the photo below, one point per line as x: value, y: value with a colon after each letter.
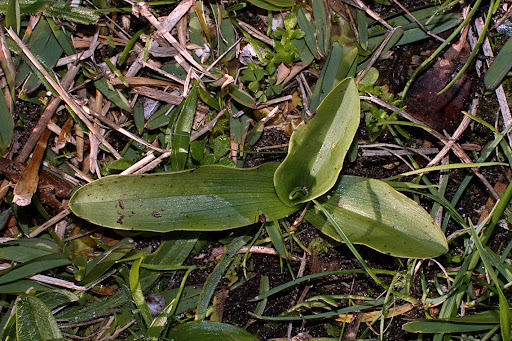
x: 318, y: 147
x: 207, y: 198
x: 373, y: 213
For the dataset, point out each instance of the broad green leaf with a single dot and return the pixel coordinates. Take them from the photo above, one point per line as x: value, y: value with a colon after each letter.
x: 180, y: 139
x: 480, y: 321
x: 274, y: 232
x: 62, y: 36
x: 362, y: 26
x: 208, y: 99
x: 500, y: 67
x: 372, y: 213
x: 166, y: 115
x: 57, y: 297
x: 138, y: 116
x: 34, y: 321
x: 211, y: 331
x: 204, y: 199
x: 318, y: 147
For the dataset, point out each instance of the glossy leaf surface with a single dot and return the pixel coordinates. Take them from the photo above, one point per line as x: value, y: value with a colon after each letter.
x: 372, y: 213
x: 318, y: 147
x: 207, y: 198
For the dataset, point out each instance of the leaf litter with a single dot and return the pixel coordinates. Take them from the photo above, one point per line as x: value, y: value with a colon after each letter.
x: 112, y: 133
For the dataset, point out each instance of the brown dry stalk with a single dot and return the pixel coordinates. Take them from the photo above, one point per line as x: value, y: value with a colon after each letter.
x: 29, y: 179
x: 65, y: 134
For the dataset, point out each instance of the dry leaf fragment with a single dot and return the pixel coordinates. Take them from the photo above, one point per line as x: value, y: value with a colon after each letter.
x: 441, y: 111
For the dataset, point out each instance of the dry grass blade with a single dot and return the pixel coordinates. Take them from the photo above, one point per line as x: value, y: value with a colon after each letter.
x: 63, y: 94
x: 143, y: 8
x: 29, y: 179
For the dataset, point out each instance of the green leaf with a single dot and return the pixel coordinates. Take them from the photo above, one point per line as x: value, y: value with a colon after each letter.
x: 306, y: 25
x: 318, y: 147
x: 180, y: 139
x: 6, y: 127
x: 23, y: 250
x: 112, y: 94
x: 166, y: 115
x: 173, y: 250
x: 220, y: 146
x: 207, y: 198
x: 12, y: 16
x: 273, y: 5
x: 211, y: 331
x: 500, y: 67
x: 321, y: 12
x: 327, y: 77
x: 138, y: 116
x: 214, y: 278
x: 412, y: 32
x: 242, y: 97
x: 138, y: 295
x: 274, y: 232
x: 99, y: 265
x: 34, y: 267
x: 208, y: 99
x: 34, y: 321
x: 42, y: 43
x: 372, y: 213
x: 226, y: 31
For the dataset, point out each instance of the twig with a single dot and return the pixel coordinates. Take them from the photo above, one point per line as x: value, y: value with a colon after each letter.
x: 55, y: 219
x: 376, y: 55
x: 372, y: 14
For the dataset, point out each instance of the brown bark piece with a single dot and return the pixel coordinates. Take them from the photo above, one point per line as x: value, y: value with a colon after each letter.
x: 50, y: 186
x: 441, y: 111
